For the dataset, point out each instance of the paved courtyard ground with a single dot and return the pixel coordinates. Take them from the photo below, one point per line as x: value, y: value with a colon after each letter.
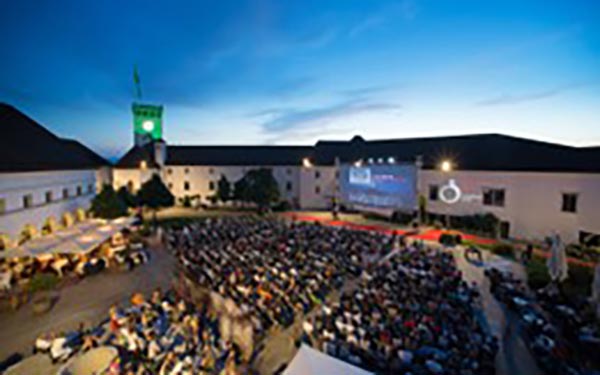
x: 87, y: 301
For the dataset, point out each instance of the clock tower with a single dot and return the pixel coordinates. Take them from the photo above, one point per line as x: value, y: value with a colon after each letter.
x: 147, y: 123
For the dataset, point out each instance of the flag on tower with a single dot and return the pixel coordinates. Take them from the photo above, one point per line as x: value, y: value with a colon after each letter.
x: 136, y: 81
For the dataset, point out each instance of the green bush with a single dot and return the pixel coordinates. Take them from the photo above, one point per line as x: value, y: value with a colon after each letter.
x: 42, y: 282
x: 503, y: 250
x: 577, y: 285
x: 450, y: 239
x: 282, y: 206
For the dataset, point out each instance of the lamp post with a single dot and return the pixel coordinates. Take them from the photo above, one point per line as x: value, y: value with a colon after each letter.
x: 446, y: 167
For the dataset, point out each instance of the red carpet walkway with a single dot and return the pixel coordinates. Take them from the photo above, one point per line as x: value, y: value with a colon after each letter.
x: 429, y: 235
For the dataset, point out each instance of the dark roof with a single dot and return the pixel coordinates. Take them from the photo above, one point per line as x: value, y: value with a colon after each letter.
x: 237, y: 155
x: 485, y: 152
x: 219, y: 155
x: 26, y: 146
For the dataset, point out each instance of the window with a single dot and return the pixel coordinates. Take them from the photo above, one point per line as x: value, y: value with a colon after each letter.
x: 49, y: 196
x: 317, y: 190
x: 169, y: 171
x: 186, y: 185
x: 317, y: 174
x: 211, y: 185
x: 288, y: 186
x: 186, y: 171
x: 211, y: 170
x: 27, y: 201
x: 493, y: 197
x: 170, y: 185
x: 65, y: 193
x: 434, y: 192
x: 79, y: 190
x: 2, y: 206
x: 337, y: 174
x: 90, y: 188
x: 288, y: 171
x: 569, y: 202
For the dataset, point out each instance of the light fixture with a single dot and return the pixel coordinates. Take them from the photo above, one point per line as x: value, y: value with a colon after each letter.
x: 306, y: 163
x: 148, y: 125
x: 380, y: 161
x: 446, y: 166
x: 370, y: 161
x: 143, y: 164
x: 391, y: 160
x: 358, y: 163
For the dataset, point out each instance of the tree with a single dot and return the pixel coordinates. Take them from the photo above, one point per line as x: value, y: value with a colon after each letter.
x: 127, y: 197
x: 107, y: 204
x: 259, y: 187
x: 155, y: 195
x: 223, y: 189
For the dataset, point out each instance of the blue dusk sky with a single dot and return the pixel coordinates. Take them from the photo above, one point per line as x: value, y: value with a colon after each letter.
x: 293, y: 72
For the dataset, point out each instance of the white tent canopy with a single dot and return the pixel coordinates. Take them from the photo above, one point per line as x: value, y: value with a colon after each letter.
x: 309, y: 361
x: 78, y: 239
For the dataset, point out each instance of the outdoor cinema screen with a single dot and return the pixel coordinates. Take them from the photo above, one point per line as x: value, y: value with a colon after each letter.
x: 389, y: 186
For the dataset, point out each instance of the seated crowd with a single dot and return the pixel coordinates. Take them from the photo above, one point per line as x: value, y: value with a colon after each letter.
x: 414, y: 314
x: 163, y: 335
x: 274, y: 269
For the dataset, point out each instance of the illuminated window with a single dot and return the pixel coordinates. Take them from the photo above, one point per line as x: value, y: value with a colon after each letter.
x: 493, y: 197
x: 569, y: 202
x: 27, y: 201
x: 434, y: 191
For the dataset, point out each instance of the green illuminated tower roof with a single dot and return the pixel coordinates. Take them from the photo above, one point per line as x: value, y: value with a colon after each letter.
x: 147, y: 123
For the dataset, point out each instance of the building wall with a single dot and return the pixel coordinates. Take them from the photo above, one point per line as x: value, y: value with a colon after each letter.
x: 317, y: 187
x: 14, y: 186
x: 532, y: 201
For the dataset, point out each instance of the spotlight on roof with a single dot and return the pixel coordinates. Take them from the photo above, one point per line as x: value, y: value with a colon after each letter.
x: 358, y: 163
x: 306, y: 163
x: 446, y: 166
x: 391, y: 160
x: 370, y: 161
x: 143, y: 164
x: 379, y: 160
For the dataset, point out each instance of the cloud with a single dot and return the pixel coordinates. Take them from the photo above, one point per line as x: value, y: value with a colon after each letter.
x: 508, y: 99
x: 283, y: 120
x: 365, y: 91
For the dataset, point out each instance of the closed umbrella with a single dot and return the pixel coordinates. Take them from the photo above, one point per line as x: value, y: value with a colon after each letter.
x: 596, y: 289
x: 557, y: 263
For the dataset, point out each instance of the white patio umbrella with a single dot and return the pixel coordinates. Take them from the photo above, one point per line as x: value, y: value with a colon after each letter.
x: 557, y: 263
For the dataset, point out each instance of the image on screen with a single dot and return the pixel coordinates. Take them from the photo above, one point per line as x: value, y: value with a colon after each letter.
x: 381, y: 186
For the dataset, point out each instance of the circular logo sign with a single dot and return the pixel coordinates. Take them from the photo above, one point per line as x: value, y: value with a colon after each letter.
x: 450, y: 193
